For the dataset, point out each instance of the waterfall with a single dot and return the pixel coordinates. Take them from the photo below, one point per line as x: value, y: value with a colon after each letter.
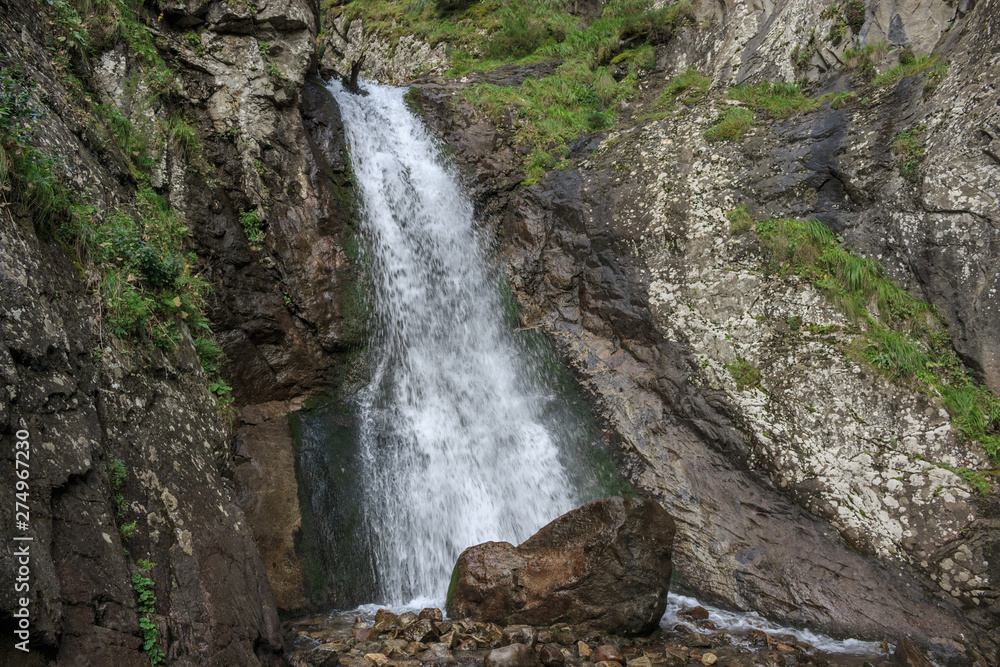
x: 456, y: 447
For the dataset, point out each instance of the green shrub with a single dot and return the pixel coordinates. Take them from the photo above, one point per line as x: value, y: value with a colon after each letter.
x: 778, y: 100
x: 732, y: 123
x: 250, y: 220
x: 903, y: 70
x: 146, y: 601
x: 854, y: 14
x: 747, y: 376
x: 687, y: 87
x: 935, y: 75
x: 906, y: 55
x: 184, y: 136
x: 740, y: 220
x: 127, y: 531
x: 909, y: 150
x: 117, y: 474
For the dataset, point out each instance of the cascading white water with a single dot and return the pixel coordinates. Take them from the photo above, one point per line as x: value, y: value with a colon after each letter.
x: 454, y: 442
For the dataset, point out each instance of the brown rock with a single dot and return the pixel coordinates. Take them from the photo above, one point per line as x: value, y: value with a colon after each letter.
x: 608, y: 653
x: 583, y: 650
x: 378, y: 660
x: 697, y: 613
x: 514, y: 655
x: 519, y: 634
x: 468, y: 645
x: 431, y: 614
x: 385, y: 620
x: 439, y: 653
x: 420, y: 630
x: 406, y: 618
x: 609, y: 663
x: 550, y: 656
x: 604, y: 566
x: 395, y: 648
x: 678, y: 654
x: 565, y: 637
x: 908, y: 655
x: 363, y: 634
x: 709, y: 659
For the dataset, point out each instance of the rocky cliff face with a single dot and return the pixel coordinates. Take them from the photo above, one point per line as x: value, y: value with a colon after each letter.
x: 133, y: 471
x: 817, y: 490
x: 805, y: 483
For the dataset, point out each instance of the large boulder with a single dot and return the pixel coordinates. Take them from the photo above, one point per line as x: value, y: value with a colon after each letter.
x: 605, y: 566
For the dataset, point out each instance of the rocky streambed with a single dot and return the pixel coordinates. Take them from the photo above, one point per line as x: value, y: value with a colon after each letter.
x: 686, y: 636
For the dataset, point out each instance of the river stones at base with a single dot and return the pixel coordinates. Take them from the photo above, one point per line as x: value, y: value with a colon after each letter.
x: 604, y: 566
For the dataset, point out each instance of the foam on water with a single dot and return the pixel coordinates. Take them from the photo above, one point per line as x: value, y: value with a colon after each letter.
x: 747, y: 621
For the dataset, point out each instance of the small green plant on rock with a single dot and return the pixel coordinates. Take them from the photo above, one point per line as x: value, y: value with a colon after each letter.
x: 801, y: 55
x: 777, y: 100
x: 909, y: 151
x: 687, y: 87
x: 145, y: 598
x: 935, y: 75
x: 250, y: 220
x: 194, y: 41
x: 740, y: 220
x: 732, y: 123
x: 842, y: 99
x: 747, y: 375
x: 127, y: 531
x: 904, y: 69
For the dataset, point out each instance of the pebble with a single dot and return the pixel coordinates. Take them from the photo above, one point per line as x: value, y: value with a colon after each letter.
x: 608, y: 653
x: 550, y: 656
x: 709, y: 659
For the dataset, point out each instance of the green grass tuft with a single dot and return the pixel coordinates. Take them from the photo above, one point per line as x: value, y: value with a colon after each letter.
x: 741, y: 220
x: 777, y: 100
x: 903, y: 70
x: 909, y: 151
x: 903, y: 337
x: 687, y: 87
x: 747, y: 376
x: 732, y: 123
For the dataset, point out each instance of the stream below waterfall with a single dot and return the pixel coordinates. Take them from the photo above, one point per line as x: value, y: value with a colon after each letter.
x: 463, y: 431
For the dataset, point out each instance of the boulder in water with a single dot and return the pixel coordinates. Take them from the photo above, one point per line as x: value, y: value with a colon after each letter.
x: 604, y: 566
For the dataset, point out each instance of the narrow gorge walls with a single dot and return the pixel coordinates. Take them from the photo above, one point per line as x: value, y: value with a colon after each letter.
x: 189, y: 131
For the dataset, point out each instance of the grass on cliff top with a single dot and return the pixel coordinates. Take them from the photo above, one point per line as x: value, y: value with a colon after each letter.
x: 687, y: 87
x: 904, y: 338
x: 596, y: 74
x: 601, y: 61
